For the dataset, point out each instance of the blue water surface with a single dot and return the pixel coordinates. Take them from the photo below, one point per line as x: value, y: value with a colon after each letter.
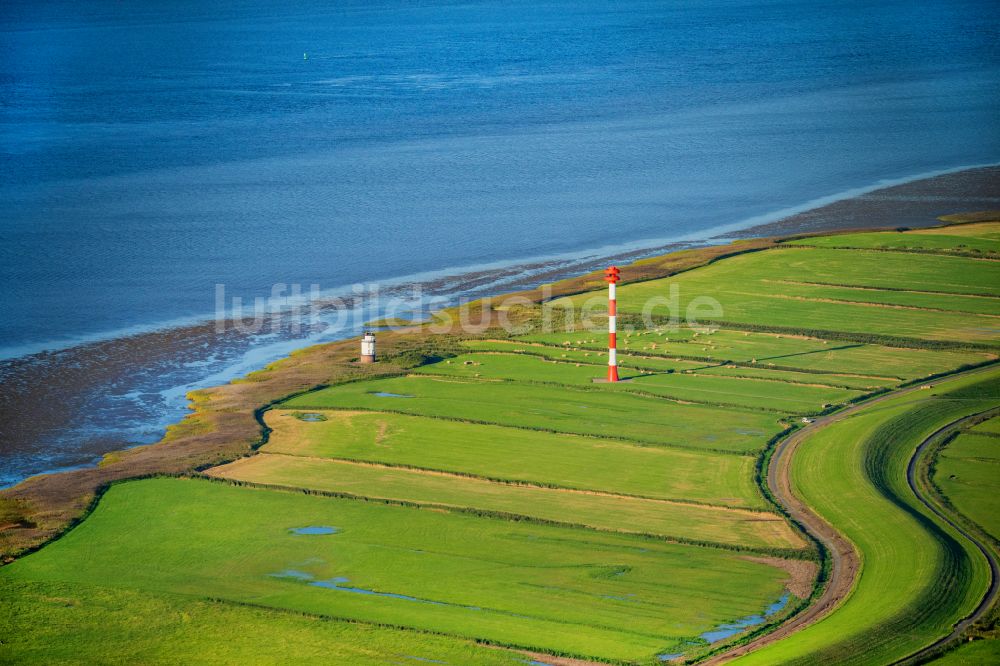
x: 315, y: 529
x: 153, y: 152
x: 154, y: 149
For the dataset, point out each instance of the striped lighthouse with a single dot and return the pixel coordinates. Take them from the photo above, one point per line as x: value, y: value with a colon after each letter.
x: 611, y: 276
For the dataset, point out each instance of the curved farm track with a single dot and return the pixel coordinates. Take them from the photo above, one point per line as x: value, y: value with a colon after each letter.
x: 844, y: 561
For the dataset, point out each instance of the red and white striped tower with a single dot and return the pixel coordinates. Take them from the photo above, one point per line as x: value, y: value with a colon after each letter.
x: 611, y: 277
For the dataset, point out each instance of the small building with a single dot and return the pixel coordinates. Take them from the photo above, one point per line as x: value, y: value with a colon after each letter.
x: 368, y: 347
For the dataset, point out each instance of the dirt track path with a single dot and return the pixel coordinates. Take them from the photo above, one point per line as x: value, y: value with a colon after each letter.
x: 843, y: 558
x: 844, y: 562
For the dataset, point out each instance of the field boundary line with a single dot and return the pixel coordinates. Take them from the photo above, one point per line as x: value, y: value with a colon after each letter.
x: 616, y: 438
x: 519, y: 483
x: 323, y: 617
x: 876, y: 339
x: 787, y: 553
x: 963, y: 254
x: 623, y: 362
x: 860, y: 287
x: 459, y: 379
x: 708, y: 363
x: 871, y: 304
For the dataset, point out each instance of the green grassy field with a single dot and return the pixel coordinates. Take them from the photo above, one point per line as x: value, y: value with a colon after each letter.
x: 987, y: 427
x: 972, y: 654
x: 527, y: 585
x: 516, y: 454
x: 671, y: 520
x: 521, y: 367
x: 917, y: 575
x: 968, y: 474
x: 984, y: 238
x: 501, y: 497
x: 892, y: 299
x: 54, y: 622
x: 594, y: 355
x: 853, y: 382
x: 598, y: 411
x: 773, y: 350
x: 755, y: 288
x: 777, y: 396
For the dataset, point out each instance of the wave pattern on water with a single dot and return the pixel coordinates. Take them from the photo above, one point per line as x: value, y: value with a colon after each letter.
x: 472, y: 147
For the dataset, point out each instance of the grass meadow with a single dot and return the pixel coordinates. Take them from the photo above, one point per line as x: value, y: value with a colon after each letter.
x: 981, y: 238
x: 518, y: 454
x: 755, y: 289
x: 500, y: 498
x: 752, y: 393
x: 600, y: 411
x: 917, y: 575
x: 776, y: 351
x: 535, y: 586
x: 55, y: 622
x: 968, y: 474
x: 594, y: 354
x: 660, y: 518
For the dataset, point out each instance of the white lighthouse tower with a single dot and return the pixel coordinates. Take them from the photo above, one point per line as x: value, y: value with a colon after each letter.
x: 368, y: 347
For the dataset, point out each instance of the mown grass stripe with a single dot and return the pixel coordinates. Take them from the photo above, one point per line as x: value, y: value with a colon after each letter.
x: 628, y: 440
x: 520, y: 483
x: 786, y: 553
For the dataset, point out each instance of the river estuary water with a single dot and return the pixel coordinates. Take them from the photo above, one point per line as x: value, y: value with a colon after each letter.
x: 154, y: 151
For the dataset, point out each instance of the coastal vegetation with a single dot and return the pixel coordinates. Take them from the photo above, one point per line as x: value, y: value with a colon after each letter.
x: 480, y: 498
x: 974, y: 240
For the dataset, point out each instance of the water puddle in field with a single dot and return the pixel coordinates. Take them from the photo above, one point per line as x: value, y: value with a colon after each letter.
x: 729, y: 629
x: 386, y: 394
x: 340, y: 584
x: 314, y: 529
x: 292, y: 573
x: 311, y: 417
